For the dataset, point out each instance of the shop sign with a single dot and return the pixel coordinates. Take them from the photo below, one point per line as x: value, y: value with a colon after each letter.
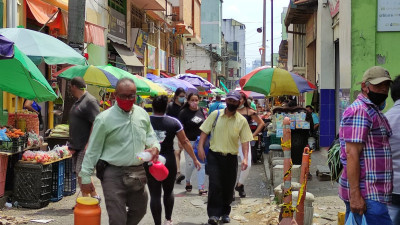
x: 388, y: 15
x: 140, y: 44
x: 151, y: 57
x: 163, y: 60
x: 117, y: 25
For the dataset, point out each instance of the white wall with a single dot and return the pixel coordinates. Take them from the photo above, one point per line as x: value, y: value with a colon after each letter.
x: 234, y: 33
x: 345, y: 44
x: 325, y: 55
x: 195, y: 58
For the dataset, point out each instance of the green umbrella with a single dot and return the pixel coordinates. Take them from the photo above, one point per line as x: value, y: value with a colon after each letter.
x: 21, y: 77
x: 142, y: 87
x: 39, y: 46
x: 218, y: 91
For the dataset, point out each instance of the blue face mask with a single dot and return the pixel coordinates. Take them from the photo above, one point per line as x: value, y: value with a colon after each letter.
x: 181, y: 99
x: 382, y: 106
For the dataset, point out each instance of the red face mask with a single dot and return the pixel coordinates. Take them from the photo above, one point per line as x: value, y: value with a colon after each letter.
x: 125, y: 104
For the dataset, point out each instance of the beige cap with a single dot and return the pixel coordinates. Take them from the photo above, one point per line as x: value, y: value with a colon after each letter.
x: 376, y: 75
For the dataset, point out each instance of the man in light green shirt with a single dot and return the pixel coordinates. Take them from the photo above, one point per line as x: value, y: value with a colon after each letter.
x: 118, y: 135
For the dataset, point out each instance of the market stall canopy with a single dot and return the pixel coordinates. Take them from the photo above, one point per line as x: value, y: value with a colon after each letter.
x: 6, y: 48
x: 218, y: 91
x: 91, y: 74
x: 275, y: 82
x: 155, y: 89
x: 141, y: 86
x: 174, y: 84
x: 127, y: 55
x: 152, y: 77
x: 195, y: 80
x: 39, y: 46
x: 21, y: 77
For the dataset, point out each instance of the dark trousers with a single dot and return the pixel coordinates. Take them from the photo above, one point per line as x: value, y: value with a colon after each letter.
x: 166, y: 185
x: 125, y: 187
x: 222, y: 172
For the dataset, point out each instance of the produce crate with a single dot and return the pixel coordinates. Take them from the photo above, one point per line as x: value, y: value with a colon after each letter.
x: 57, y: 186
x: 32, y: 185
x: 12, y: 161
x: 3, y: 173
x: 274, y: 140
x: 69, y: 178
x: 15, y: 145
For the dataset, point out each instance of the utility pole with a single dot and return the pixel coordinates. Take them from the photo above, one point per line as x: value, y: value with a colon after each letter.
x: 272, y: 33
x: 263, y: 33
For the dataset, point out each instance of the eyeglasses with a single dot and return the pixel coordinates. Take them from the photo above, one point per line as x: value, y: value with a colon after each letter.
x: 127, y: 97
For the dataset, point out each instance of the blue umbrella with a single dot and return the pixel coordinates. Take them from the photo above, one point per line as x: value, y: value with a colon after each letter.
x: 196, y: 80
x: 6, y: 48
x: 152, y: 77
x: 174, y: 84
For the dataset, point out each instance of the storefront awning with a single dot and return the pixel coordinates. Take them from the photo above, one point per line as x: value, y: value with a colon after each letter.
x: 128, y: 56
x: 94, y: 34
x: 47, y: 14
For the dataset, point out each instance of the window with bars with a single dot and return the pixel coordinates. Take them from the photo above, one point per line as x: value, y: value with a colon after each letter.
x: 153, y: 36
x: 119, y: 5
x: 137, y: 17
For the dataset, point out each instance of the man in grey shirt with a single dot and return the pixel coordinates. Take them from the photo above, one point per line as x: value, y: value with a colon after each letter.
x: 81, y: 118
x: 393, y: 116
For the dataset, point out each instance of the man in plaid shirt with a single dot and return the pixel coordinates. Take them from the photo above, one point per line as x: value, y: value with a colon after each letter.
x: 367, y: 179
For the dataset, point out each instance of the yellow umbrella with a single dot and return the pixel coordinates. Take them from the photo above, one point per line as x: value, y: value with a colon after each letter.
x: 155, y: 89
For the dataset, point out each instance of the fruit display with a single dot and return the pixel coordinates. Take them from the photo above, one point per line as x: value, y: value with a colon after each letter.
x: 59, y: 152
x: 31, y: 120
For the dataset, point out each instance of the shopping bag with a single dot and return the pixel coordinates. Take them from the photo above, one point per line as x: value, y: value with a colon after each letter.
x: 352, y: 221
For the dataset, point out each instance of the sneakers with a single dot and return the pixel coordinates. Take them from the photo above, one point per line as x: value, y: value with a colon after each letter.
x: 180, y: 178
x: 168, y: 222
x: 213, y: 220
x: 225, y: 219
x: 240, y: 189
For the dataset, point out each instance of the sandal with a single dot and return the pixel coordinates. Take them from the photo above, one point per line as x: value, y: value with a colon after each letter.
x: 203, y: 192
x: 188, y: 188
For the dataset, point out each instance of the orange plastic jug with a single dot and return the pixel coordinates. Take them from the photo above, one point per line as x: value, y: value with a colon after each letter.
x: 87, y: 211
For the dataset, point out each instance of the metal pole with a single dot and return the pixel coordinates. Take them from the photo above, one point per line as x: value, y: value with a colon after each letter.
x: 263, y: 33
x: 272, y: 33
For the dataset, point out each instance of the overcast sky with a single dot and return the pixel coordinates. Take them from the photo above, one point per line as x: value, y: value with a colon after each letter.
x: 250, y: 12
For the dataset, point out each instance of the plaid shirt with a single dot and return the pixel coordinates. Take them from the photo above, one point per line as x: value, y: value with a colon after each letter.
x: 362, y: 122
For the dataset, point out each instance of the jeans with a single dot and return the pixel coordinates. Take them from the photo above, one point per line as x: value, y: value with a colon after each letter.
x: 201, y: 174
x: 394, y: 209
x: 376, y: 214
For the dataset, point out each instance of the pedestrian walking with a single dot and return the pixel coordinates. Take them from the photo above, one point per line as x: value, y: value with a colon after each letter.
x: 166, y: 129
x: 216, y: 105
x: 81, y: 117
x: 393, y: 116
x: 192, y: 117
x: 366, y: 182
x: 249, y: 114
x: 222, y: 157
x: 173, y: 110
x: 118, y: 135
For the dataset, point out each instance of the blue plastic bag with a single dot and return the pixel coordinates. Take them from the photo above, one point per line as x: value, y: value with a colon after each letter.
x: 352, y: 221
